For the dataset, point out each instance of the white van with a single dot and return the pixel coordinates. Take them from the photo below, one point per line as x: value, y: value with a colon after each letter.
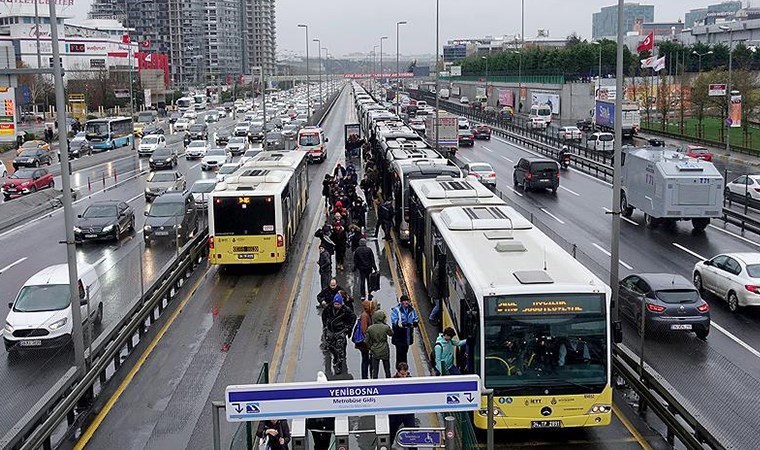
x: 40, y: 317
x: 602, y: 142
x: 543, y: 111
x: 312, y: 140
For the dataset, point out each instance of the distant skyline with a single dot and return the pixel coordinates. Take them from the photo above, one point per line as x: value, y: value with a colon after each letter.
x: 348, y: 26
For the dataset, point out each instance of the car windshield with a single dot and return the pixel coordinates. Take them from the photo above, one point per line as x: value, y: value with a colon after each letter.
x: 753, y: 270
x: 161, y: 177
x: 167, y: 209
x: 308, y: 140
x: 80, y: 135
x: 606, y: 137
x: 216, y: 153
x: 162, y: 152
x: 22, y: 174
x: 30, y: 144
x: 150, y: 140
x: 243, y: 125
x: 251, y: 153
x: 202, y: 188
x: 543, y: 166
x: 677, y: 295
x: 196, y: 144
x: 481, y: 168
x: 97, y: 211
x: 145, y: 118
x: 256, y: 128
x: 28, y: 153
x: 237, y: 140
x: 196, y: 128
x: 47, y: 297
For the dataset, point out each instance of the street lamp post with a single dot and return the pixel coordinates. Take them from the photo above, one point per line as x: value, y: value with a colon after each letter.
x: 319, y: 66
x: 374, y: 66
x: 599, y: 43
x: 308, y: 81
x: 728, y: 91
x: 700, y: 55
x: 617, y: 164
x: 486, y: 60
x: 437, y: 71
x: 381, y: 55
x: 522, y: 46
x: 398, y: 70
x: 327, y: 75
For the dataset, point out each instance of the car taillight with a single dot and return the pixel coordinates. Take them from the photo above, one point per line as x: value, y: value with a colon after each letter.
x: 491, y: 175
x: 211, y: 243
x: 655, y: 308
x: 757, y: 189
x: 704, y: 307
x: 529, y: 176
x: 280, y: 240
x: 752, y: 288
x: 558, y: 175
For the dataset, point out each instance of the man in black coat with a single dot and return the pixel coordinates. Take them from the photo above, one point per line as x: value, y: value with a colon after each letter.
x: 325, y: 267
x: 337, y: 324
x: 364, y: 263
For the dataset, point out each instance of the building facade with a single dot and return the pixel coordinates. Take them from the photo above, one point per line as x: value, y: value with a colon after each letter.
x: 712, y: 14
x: 264, y: 32
x: 604, y: 22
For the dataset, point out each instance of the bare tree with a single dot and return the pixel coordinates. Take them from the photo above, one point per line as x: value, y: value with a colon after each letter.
x: 40, y: 87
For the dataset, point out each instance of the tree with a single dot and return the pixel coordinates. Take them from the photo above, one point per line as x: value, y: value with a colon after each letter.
x: 41, y: 88
x: 701, y: 103
x: 747, y: 84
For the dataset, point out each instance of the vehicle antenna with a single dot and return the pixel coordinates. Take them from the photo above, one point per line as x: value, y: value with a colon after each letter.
x: 545, y: 268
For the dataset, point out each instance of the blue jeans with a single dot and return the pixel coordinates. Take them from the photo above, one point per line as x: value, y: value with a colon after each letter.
x: 435, y: 314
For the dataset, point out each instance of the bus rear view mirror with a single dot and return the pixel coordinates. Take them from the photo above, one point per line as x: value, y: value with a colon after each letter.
x: 617, y: 332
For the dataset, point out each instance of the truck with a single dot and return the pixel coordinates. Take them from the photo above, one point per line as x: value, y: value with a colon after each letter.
x: 668, y: 186
x: 603, y: 117
x: 448, y: 128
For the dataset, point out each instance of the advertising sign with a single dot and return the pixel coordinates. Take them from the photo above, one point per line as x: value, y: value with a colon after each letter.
x: 716, y: 90
x: 8, y: 115
x: 121, y: 93
x: 456, y: 71
x: 506, y: 97
x: 735, y: 113
x: 547, y: 98
x: 147, y: 95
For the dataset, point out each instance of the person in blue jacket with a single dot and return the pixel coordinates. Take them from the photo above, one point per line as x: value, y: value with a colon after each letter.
x: 404, y: 320
x: 444, y: 352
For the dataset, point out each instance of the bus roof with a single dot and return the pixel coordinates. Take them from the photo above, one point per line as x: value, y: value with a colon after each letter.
x: 502, y: 253
x: 412, y: 150
x: 283, y: 160
x: 448, y: 191
x: 253, y: 181
x: 109, y: 119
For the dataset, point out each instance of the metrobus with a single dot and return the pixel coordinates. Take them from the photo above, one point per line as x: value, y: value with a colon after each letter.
x: 430, y: 196
x: 200, y: 102
x: 255, y: 212
x: 537, y: 322
x: 405, y: 170
x: 184, y: 104
x: 109, y: 133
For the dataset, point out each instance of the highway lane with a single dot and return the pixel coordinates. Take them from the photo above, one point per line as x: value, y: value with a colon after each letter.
x: 728, y: 363
x: 36, y: 245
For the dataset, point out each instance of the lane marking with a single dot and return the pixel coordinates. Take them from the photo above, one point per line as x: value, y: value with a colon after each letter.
x: 194, y: 166
x: 514, y: 190
x: 87, y: 435
x: 487, y: 149
x: 737, y: 236
x: 603, y: 250
x: 694, y: 254
x: 570, y: 191
x: 134, y: 198
x: 631, y: 429
x: 553, y: 216
x: 504, y: 157
x: 9, y: 266
x: 632, y: 222
x: 465, y: 158
x: 734, y: 338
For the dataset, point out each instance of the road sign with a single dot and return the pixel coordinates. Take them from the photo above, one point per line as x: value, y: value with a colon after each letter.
x: 716, y: 90
x: 352, y: 398
x: 418, y: 437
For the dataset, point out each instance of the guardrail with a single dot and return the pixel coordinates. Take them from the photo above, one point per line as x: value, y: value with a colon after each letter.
x: 62, y: 401
x: 697, y: 140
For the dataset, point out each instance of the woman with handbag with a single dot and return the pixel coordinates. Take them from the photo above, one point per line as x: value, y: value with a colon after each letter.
x: 275, y: 434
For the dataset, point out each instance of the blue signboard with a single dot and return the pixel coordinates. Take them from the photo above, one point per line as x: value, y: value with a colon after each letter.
x: 352, y: 398
x: 418, y: 437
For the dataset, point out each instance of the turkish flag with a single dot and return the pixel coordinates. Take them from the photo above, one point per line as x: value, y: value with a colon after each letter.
x: 647, y: 44
x: 125, y: 39
x: 145, y: 43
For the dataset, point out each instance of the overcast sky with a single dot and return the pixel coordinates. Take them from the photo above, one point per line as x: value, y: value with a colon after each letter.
x: 347, y: 26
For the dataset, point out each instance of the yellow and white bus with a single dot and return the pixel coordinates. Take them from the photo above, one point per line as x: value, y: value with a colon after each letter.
x: 537, y: 322
x: 254, y: 213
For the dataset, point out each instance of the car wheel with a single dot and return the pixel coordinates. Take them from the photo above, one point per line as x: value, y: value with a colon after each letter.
x: 698, y: 282
x: 554, y: 191
x: 117, y: 233
x: 132, y: 225
x: 733, y: 302
x: 702, y: 334
x: 99, y: 315
x: 6, y: 197
x: 525, y: 186
x: 514, y: 180
x: 51, y: 185
x: 37, y: 163
x: 625, y: 208
x: 33, y: 189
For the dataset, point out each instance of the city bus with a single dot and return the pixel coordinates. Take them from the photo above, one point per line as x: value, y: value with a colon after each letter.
x: 200, y: 102
x: 254, y: 213
x: 185, y: 104
x: 537, y: 322
x: 109, y: 133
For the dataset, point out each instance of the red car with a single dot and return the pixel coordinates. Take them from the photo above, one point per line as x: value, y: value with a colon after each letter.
x: 466, y: 138
x: 699, y: 152
x: 26, y: 181
x: 482, y: 131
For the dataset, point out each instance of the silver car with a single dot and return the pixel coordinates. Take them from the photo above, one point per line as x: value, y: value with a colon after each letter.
x: 482, y: 172
x: 160, y: 182
x: 734, y: 277
x: 201, y: 190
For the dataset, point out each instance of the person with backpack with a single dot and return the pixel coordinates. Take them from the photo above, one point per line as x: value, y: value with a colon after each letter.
x: 443, y: 352
x: 404, y: 320
x: 359, y: 336
x: 377, y: 341
x: 276, y: 434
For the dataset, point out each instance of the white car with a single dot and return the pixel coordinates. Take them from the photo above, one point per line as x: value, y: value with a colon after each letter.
x: 481, y: 171
x: 536, y: 123
x: 241, y: 129
x: 196, y: 149
x: 226, y: 169
x: 150, y: 144
x: 734, y: 277
x: 211, y: 117
x: 601, y: 142
x: 417, y: 125
x: 249, y: 155
x: 464, y: 123
x: 570, y: 133
x: 201, y: 190
x: 182, y: 124
x: 464, y: 100
x: 222, y: 112
x: 745, y: 185
x: 214, y: 158
x: 192, y: 115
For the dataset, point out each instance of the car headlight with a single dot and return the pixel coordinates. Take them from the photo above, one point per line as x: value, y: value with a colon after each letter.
x: 168, y: 160
x: 58, y: 324
x: 108, y: 229
x: 147, y: 228
x: 178, y: 227
x: 150, y: 160
x: 147, y: 190
x: 8, y: 327
x: 77, y: 230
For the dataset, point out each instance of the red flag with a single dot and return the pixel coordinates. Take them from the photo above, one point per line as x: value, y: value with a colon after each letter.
x: 145, y: 43
x: 125, y: 39
x: 647, y: 44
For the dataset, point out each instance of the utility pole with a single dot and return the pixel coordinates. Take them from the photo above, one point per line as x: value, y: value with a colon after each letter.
x: 616, y: 178
x: 398, y: 69
x: 730, y: 67
x: 437, y: 73
x: 381, y: 55
x: 319, y: 67
x: 308, y: 80
x: 68, y: 209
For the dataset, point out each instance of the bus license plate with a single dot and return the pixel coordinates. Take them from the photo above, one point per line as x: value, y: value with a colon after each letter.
x: 546, y: 424
x: 681, y: 327
x: 246, y: 256
x: 30, y: 343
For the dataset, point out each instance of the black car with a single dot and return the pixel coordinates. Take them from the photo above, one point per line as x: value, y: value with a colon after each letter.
x: 536, y: 173
x: 175, y: 115
x: 668, y: 302
x: 198, y: 131
x: 105, y: 220
x: 171, y: 217
x: 222, y: 137
x: 32, y: 158
x: 256, y: 132
x: 275, y: 141
x: 163, y: 158
x: 466, y: 138
x: 152, y: 129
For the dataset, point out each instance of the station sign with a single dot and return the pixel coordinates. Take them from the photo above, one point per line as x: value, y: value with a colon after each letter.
x: 420, y: 437
x: 352, y: 398
x: 717, y: 90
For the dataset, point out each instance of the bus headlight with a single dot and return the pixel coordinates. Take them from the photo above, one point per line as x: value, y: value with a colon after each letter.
x: 599, y: 409
x: 496, y: 412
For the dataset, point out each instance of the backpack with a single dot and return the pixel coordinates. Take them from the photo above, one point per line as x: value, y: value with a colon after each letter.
x: 433, y: 363
x: 358, y: 336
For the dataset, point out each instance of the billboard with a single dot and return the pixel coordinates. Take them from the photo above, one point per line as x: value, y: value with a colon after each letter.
x: 548, y: 98
x: 716, y: 90
x: 456, y: 71
x: 735, y: 113
x: 8, y: 114
x: 147, y: 95
x: 506, y: 97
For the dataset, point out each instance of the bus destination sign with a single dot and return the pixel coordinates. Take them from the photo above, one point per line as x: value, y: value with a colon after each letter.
x: 556, y: 304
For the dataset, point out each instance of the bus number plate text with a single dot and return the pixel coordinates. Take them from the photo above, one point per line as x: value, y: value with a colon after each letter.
x: 246, y: 256
x: 546, y: 424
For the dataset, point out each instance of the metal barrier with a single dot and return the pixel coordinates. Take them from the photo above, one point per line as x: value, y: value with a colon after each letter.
x: 698, y: 140
x: 61, y: 402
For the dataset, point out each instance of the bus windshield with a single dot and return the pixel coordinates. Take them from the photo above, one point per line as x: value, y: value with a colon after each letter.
x: 244, y: 216
x: 545, y: 344
x: 96, y: 129
x: 183, y: 103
